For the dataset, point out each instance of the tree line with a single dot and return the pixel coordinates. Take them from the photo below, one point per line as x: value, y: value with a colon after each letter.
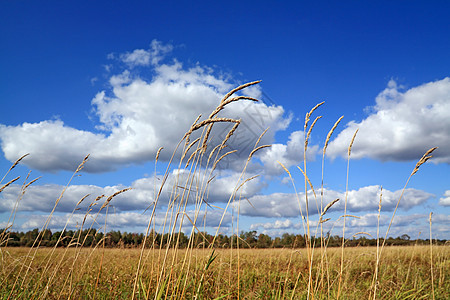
x: 246, y: 239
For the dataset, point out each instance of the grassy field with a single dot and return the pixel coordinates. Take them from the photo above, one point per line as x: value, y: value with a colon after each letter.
x: 79, y: 271
x: 404, y: 273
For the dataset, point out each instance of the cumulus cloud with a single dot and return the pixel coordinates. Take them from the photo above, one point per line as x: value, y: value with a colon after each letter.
x: 145, y: 57
x: 278, y: 224
x: 142, y: 194
x: 445, y: 200
x: 132, y: 220
x: 288, y: 154
x: 364, y: 199
x: 402, y: 125
x: 137, y: 115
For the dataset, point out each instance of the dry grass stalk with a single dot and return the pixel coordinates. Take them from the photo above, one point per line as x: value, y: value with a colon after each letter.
x: 307, y: 179
x: 424, y: 158
x: 8, y: 183
x: 324, y: 258
x: 377, y: 262
x: 345, y: 212
x: 431, y: 245
x: 189, y: 148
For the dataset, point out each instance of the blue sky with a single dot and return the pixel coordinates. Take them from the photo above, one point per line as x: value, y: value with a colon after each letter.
x: 119, y: 80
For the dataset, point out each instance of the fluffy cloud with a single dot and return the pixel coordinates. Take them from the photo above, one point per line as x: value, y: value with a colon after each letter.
x: 364, y: 199
x: 445, y: 200
x: 137, y: 116
x: 131, y: 220
x: 402, y: 125
x: 278, y: 224
x: 142, y: 57
x: 288, y: 154
x: 142, y: 195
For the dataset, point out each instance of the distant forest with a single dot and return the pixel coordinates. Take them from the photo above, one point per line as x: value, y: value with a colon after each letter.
x: 249, y: 239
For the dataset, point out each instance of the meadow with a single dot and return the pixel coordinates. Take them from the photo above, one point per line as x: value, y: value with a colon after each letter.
x: 405, y: 273
x: 74, y: 268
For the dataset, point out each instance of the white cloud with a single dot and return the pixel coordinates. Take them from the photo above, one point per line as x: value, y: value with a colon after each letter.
x: 289, y: 155
x: 286, y: 205
x: 278, y: 224
x: 137, y: 116
x: 402, y: 126
x: 141, y: 196
x: 141, y: 57
x: 132, y: 220
x: 445, y: 200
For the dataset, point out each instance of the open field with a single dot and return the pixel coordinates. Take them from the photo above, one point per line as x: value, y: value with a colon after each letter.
x: 404, y: 273
x: 168, y: 265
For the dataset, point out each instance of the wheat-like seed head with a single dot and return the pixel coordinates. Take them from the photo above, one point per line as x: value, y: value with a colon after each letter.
x: 309, y: 132
x: 423, y: 160
x: 82, y: 199
x: 258, y: 148
x: 81, y: 166
x: 329, y: 205
x: 189, y: 148
x: 230, y: 133
x: 220, y: 158
x: 351, y: 143
x: 191, y: 157
x: 381, y: 197
x: 31, y: 182
x: 8, y: 183
x: 189, y: 133
x: 228, y: 101
x: 308, y: 115
x: 18, y: 160
x: 284, y: 168
x: 212, y: 152
x: 157, y: 153
x: 238, y: 89
x: 209, y: 121
x: 245, y: 181
x: 330, y: 133
x: 112, y: 196
x: 362, y: 232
